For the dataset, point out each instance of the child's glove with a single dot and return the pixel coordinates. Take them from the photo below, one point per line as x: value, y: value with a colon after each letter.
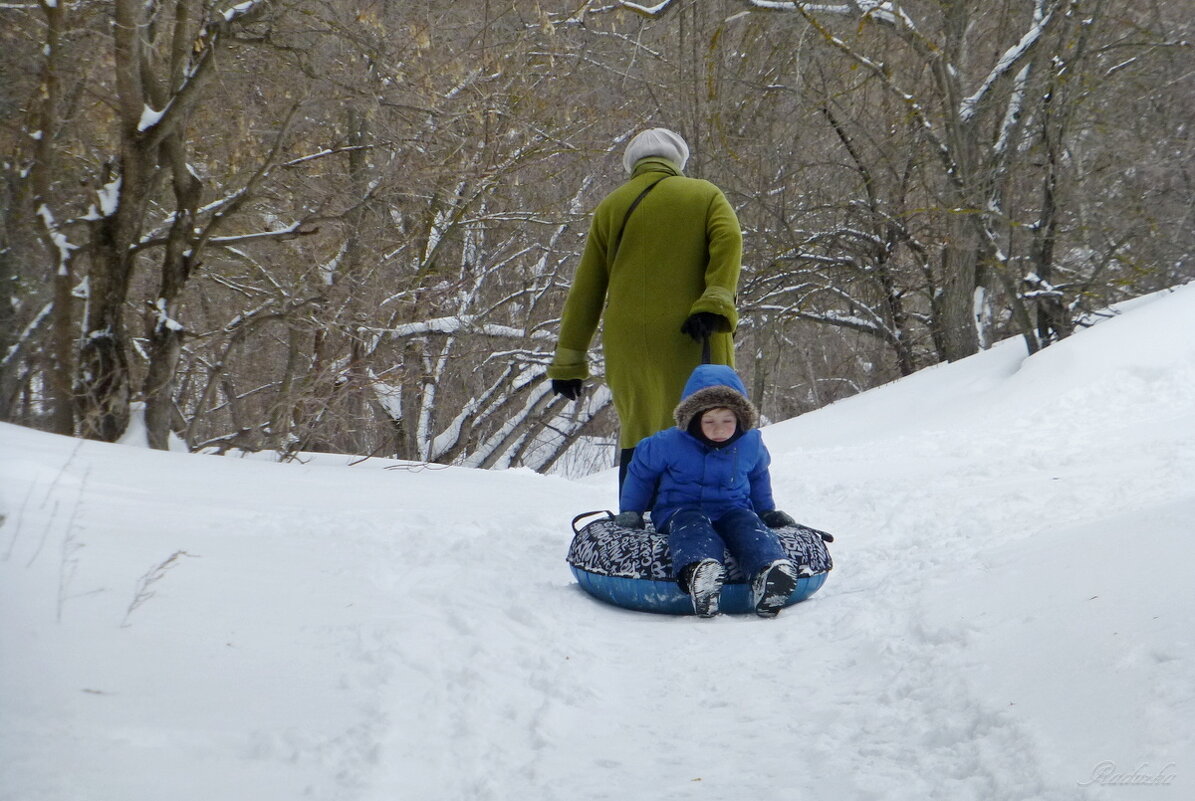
x: 629, y: 520
x: 774, y: 518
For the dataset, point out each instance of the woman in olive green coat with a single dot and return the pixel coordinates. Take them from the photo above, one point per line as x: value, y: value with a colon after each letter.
x: 665, y: 283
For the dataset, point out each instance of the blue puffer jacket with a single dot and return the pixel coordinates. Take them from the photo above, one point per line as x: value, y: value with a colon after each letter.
x: 685, y: 471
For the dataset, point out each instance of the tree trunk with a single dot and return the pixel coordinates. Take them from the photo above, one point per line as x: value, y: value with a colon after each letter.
x: 898, y: 319
x: 165, y: 333
x: 960, y: 337
x: 412, y: 391
x: 62, y: 342
x: 9, y: 285
x: 103, y: 372
x: 103, y: 378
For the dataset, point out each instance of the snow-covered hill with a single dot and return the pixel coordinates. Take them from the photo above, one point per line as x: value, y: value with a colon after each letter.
x: 1010, y: 616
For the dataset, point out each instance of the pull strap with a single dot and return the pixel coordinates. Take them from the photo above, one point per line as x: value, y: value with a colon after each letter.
x: 705, y: 349
x: 627, y: 216
x: 609, y: 516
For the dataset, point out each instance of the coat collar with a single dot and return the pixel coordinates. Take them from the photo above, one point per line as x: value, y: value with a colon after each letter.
x: 655, y: 164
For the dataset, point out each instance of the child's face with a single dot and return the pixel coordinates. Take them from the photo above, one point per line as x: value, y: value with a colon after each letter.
x: 718, y: 425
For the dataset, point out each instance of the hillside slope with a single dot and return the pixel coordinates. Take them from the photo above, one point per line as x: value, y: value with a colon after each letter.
x: 1009, y: 617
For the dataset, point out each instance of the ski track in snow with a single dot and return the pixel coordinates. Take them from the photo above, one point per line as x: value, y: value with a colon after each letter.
x: 1009, y: 610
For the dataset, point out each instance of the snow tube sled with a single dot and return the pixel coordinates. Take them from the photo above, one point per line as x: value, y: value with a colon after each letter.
x: 633, y: 569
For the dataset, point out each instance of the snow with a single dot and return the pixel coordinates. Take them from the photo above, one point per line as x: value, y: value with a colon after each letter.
x: 61, y: 243
x: 240, y: 10
x: 282, y: 231
x: 457, y: 323
x: 1016, y: 104
x: 650, y: 10
x: 109, y: 196
x: 1009, y: 617
x: 882, y: 10
x: 137, y: 433
x: 164, y: 318
x: 149, y: 117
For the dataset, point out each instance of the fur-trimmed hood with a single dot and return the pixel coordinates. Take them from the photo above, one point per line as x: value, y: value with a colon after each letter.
x: 711, y: 386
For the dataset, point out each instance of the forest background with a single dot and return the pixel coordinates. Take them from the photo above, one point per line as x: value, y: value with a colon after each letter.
x: 350, y: 226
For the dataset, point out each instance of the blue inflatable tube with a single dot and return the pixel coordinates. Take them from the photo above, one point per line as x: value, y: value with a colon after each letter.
x: 633, y: 569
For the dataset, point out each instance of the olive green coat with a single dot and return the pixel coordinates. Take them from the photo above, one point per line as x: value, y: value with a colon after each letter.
x: 680, y: 254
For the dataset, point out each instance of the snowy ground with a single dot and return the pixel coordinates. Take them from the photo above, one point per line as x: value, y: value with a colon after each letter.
x: 1010, y: 616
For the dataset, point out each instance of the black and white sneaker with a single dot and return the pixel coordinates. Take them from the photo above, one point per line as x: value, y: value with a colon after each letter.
x: 703, y: 580
x: 772, y: 586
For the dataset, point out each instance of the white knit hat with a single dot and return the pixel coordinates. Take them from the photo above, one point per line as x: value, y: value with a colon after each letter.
x: 656, y: 142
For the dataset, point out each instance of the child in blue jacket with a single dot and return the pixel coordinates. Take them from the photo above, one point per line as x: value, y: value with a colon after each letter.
x: 712, y: 492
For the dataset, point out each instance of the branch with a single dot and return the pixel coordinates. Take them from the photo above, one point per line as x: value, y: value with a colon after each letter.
x: 1011, y: 58
x: 156, y: 125
x: 849, y: 322
x: 877, y: 69
x: 143, y: 591
x: 290, y: 232
x: 447, y: 441
x: 647, y: 11
x: 223, y: 205
x: 880, y: 10
x: 234, y: 201
x: 457, y: 324
x: 26, y: 336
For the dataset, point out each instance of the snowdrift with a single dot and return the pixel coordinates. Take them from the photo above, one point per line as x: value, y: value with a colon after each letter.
x: 1009, y: 616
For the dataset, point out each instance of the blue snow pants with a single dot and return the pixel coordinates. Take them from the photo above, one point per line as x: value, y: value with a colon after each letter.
x: 692, y: 536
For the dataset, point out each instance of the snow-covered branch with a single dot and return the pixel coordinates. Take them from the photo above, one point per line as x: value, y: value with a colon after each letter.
x: 26, y: 336
x: 459, y: 324
x: 844, y: 320
x: 878, y: 10
x: 289, y: 232
x: 62, y: 246
x: 156, y: 125
x: 1009, y: 60
x: 1013, y: 111
x: 647, y: 11
x: 916, y: 110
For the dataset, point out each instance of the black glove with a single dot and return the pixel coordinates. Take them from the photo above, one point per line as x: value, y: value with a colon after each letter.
x: 568, y: 387
x: 774, y: 518
x: 702, y: 324
x: 629, y: 520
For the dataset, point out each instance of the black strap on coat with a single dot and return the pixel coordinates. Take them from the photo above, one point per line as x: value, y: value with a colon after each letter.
x: 627, y: 216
